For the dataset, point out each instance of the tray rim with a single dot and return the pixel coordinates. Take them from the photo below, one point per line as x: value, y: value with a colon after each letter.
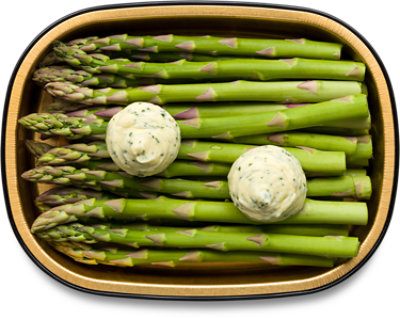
x: 202, y: 3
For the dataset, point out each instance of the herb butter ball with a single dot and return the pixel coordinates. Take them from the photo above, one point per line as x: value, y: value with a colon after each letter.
x: 143, y: 139
x: 267, y: 184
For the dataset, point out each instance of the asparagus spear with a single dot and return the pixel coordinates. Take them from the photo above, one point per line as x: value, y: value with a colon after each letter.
x: 266, y: 48
x: 363, y: 153
x: 59, y: 73
x: 226, y: 127
x: 170, y: 258
x: 169, y: 56
x: 343, y: 131
x: 66, y: 195
x: 311, y: 140
x: 251, y: 69
x: 207, y: 110
x: 67, y: 232
x: 233, y: 109
x: 286, y: 92
x: 76, y: 232
x: 127, y: 185
x: 312, y: 160
x: 63, y: 125
x: 277, y: 121
x: 74, y: 153
x: 339, y: 246
x: 313, y: 212
x: 176, y: 169
x: 179, y: 168
x: 353, y: 183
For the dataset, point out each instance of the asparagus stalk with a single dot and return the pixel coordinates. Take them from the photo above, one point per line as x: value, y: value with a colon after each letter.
x: 212, y: 45
x: 170, y: 258
x: 74, y: 153
x: 226, y: 127
x: 286, y: 92
x: 343, y: 131
x: 295, y: 118
x: 63, y: 125
x: 311, y: 140
x: 127, y: 185
x: 353, y: 183
x: 76, y: 232
x: 363, y: 153
x: 179, y: 168
x: 207, y: 110
x: 358, y: 187
x: 67, y: 232
x: 250, y: 69
x: 348, y: 172
x: 66, y: 195
x: 311, y: 160
x: 236, y: 109
x: 339, y: 246
x: 59, y: 73
x: 90, y: 155
x: 313, y: 212
x: 169, y: 56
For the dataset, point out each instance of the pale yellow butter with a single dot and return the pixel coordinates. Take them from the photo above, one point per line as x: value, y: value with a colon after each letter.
x: 143, y: 139
x: 267, y: 183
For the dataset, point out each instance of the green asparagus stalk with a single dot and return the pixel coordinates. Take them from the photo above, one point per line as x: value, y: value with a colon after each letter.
x: 169, y: 56
x: 311, y: 140
x: 235, y: 109
x: 358, y: 187
x: 74, y: 153
x: 349, y: 172
x: 127, y: 210
x: 339, y: 246
x: 363, y: 153
x: 127, y: 185
x: 76, y: 232
x: 59, y: 73
x: 250, y: 69
x: 170, y: 258
x: 122, y: 183
x: 178, y: 168
x: 286, y: 92
x: 351, y: 184
x: 70, y: 232
x: 207, y: 110
x: 212, y: 45
x: 341, y: 186
x: 66, y: 195
x: 269, y: 122
x: 226, y: 127
x: 343, y: 131
x: 86, y: 155
x: 63, y: 125
x: 311, y: 160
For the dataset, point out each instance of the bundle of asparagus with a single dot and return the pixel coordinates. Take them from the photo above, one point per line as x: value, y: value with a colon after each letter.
x: 230, y: 95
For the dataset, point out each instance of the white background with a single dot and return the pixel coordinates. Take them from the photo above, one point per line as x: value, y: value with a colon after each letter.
x: 371, y: 291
